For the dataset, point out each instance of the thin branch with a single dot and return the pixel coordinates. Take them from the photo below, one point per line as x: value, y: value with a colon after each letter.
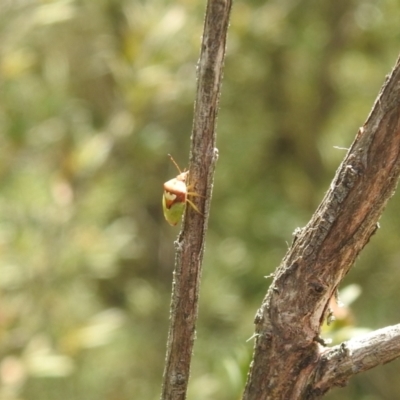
x: 288, y: 323
x: 190, y: 243
x: 340, y: 363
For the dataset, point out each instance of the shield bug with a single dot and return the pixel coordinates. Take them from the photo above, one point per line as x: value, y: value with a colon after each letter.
x: 175, y: 196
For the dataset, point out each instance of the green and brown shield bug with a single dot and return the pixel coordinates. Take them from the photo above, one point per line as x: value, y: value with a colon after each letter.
x: 175, y: 196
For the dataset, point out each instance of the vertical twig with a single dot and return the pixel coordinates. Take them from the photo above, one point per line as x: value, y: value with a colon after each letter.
x: 190, y: 243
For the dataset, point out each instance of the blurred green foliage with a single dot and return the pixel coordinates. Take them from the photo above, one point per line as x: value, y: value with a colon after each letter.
x: 94, y: 94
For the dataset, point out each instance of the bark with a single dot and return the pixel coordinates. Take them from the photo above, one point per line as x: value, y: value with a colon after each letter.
x: 354, y: 356
x: 190, y: 243
x: 288, y: 361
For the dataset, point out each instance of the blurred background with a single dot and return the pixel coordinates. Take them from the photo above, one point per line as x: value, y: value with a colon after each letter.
x: 93, y: 96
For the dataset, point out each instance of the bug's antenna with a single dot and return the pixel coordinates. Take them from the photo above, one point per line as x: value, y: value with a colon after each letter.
x: 174, y: 162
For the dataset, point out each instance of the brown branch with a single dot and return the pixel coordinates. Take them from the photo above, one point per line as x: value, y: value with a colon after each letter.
x: 286, y: 352
x: 190, y: 243
x: 340, y: 363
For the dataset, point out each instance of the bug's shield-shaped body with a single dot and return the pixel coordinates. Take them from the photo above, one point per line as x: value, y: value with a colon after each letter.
x: 174, y: 198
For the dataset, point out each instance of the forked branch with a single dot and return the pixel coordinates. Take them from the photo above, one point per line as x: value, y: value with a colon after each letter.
x: 287, y: 354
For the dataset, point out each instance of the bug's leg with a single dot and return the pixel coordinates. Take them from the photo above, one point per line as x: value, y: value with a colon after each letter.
x: 193, y: 206
x: 189, y: 187
x: 195, y: 194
